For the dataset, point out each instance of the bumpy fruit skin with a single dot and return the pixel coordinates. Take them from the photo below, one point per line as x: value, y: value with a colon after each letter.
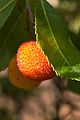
x: 18, y: 79
x: 33, y: 63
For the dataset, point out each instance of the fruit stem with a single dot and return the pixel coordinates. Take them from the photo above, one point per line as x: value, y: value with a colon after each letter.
x: 31, y: 17
x: 27, y: 23
x: 19, y: 7
x: 30, y: 12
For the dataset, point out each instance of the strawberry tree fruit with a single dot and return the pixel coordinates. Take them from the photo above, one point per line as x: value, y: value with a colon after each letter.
x: 33, y: 63
x: 18, y: 79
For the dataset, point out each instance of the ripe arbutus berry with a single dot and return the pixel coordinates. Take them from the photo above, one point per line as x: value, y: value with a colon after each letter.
x: 33, y: 63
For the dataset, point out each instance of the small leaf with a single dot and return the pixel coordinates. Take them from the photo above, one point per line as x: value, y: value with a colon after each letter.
x: 55, y: 41
x: 6, y: 7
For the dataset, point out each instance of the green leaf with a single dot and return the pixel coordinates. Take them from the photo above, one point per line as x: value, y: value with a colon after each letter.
x: 12, y: 34
x: 54, y: 39
x: 6, y: 7
x: 75, y: 37
x: 74, y: 86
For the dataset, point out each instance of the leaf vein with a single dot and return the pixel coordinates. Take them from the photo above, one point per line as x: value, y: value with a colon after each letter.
x: 11, y: 31
x: 6, y: 5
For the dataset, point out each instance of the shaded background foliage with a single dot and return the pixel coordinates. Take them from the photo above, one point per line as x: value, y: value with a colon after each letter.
x: 19, y: 104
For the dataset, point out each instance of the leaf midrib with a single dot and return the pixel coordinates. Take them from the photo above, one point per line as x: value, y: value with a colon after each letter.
x: 52, y: 32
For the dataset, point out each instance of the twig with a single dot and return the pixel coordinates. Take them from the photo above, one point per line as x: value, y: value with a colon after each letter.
x: 61, y: 85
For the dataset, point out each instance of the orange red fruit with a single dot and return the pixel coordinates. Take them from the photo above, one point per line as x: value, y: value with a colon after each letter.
x: 33, y: 63
x: 18, y: 79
